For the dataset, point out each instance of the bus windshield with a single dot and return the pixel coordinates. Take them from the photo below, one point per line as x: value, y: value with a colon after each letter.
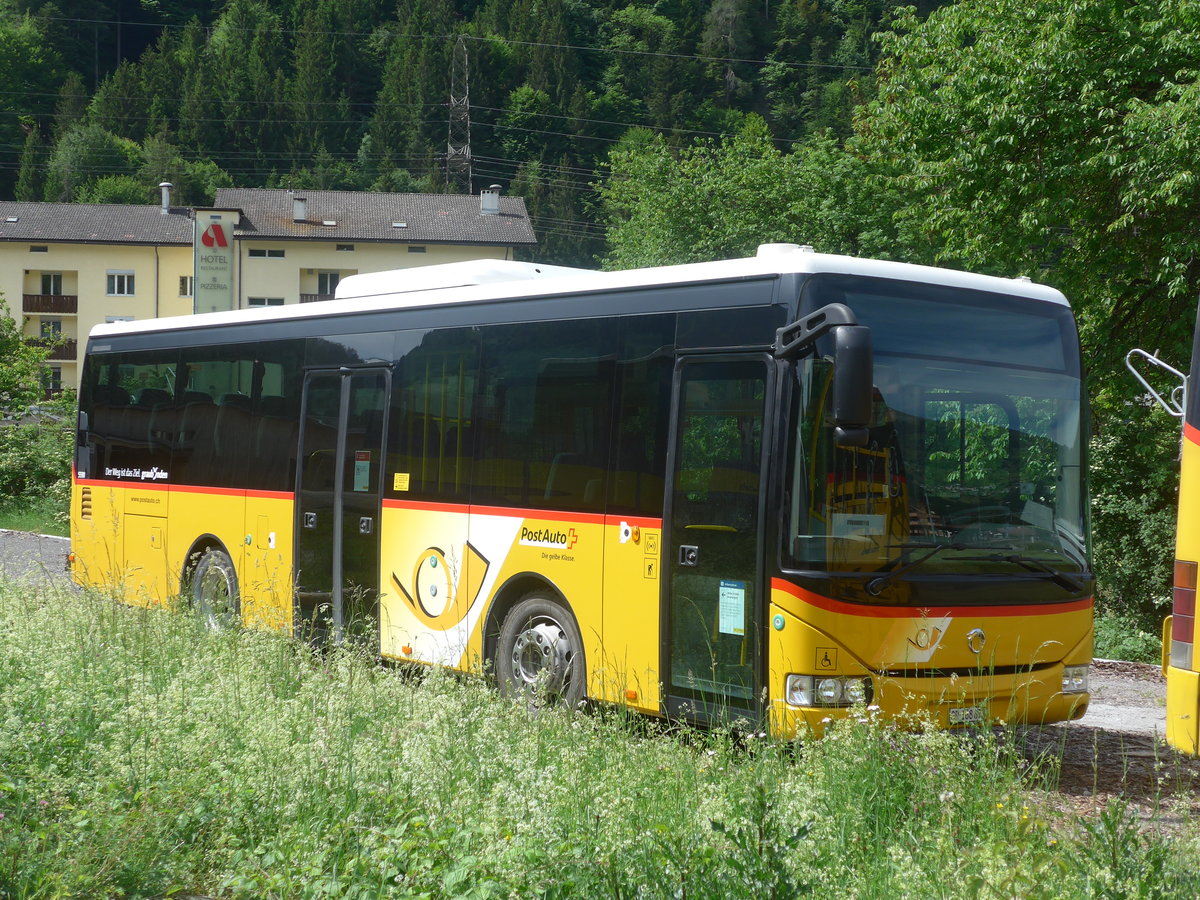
x: 973, y: 464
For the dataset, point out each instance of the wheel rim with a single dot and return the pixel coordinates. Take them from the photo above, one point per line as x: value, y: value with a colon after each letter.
x: 541, y: 657
x: 214, y: 597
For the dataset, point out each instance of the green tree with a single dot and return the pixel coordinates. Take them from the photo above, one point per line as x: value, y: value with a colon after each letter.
x: 33, y: 161
x: 719, y: 199
x: 84, y: 153
x: 20, y: 365
x: 121, y: 189
x: 30, y: 74
x: 1057, y: 140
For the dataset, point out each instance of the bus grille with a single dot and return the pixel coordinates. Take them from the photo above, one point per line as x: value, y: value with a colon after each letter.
x: 85, y: 503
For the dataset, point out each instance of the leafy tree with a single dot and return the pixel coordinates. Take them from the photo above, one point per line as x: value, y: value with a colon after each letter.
x: 29, y: 176
x: 20, y: 366
x: 1057, y: 140
x: 30, y: 73
x: 114, y: 189
x: 87, y: 152
x: 720, y: 199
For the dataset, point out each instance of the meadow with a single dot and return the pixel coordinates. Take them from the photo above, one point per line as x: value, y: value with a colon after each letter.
x: 144, y: 756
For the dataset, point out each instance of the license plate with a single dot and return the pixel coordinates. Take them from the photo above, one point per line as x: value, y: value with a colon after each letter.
x: 968, y: 715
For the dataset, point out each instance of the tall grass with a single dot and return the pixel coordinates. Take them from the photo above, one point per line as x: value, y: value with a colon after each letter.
x: 142, y: 756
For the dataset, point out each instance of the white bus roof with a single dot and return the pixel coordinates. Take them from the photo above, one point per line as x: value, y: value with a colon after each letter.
x: 489, y: 280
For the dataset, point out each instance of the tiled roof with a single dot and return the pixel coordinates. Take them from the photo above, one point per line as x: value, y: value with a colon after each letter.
x: 104, y: 223
x: 368, y: 216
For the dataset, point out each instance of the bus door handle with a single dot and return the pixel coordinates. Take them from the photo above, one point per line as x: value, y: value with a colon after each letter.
x: 310, y: 520
x: 689, y: 554
x: 366, y: 525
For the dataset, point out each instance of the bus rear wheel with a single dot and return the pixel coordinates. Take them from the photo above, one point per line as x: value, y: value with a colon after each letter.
x: 539, y: 654
x: 215, y: 591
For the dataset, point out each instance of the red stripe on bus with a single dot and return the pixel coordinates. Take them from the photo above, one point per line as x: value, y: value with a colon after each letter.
x: 1191, y: 432
x: 919, y: 612
x: 187, y: 489
x: 132, y: 485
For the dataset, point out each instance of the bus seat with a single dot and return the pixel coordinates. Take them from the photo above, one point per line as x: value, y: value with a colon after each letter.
x: 236, y: 399
x: 153, y: 398
x: 272, y: 405
x: 233, y: 429
x: 110, y: 395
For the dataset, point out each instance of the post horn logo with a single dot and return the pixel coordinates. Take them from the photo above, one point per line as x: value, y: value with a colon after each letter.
x: 443, y: 594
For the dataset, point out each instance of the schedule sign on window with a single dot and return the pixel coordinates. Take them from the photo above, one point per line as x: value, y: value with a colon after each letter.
x: 213, y: 251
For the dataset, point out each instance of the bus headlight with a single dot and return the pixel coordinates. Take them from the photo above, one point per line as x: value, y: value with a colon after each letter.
x: 808, y: 690
x: 1075, y: 680
x: 829, y: 691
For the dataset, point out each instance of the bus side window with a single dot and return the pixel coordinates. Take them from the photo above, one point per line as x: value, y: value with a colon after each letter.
x: 546, y: 414
x: 643, y: 401
x: 431, y: 425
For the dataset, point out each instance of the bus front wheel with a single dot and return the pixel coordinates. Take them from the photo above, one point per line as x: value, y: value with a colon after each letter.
x: 215, y: 591
x: 539, y: 654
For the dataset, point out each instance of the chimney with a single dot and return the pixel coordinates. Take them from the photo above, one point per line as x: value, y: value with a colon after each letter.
x: 489, y: 201
x: 299, y: 209
x: 165, y: 187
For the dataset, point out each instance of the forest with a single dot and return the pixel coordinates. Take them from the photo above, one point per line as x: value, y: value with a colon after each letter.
x: 1015, y: 137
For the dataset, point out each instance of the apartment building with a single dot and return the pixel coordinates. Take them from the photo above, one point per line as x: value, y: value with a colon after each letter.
x: 65, y: 267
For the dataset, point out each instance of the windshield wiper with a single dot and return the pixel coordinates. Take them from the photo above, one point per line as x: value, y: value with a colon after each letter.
x: 877, y: 584
x: 1062, y: 579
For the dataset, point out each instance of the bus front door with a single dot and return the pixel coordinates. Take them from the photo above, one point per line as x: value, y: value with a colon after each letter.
x: 338, y: 503
x: 714, y: 586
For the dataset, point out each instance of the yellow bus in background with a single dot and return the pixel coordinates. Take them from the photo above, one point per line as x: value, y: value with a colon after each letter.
x: 765, y: 489
x: 1180, y: 663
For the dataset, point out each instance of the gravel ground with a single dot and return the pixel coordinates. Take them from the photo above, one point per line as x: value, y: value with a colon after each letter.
x: 1114, y: 751
x: 37, y: 557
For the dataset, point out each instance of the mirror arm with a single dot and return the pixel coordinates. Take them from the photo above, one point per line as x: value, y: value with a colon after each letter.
x: 791, y: 339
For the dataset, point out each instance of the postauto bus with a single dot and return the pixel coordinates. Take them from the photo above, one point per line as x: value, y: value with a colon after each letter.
x: 767, y: 489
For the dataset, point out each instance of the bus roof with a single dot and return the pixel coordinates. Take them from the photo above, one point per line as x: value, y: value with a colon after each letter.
x: 490, y: 280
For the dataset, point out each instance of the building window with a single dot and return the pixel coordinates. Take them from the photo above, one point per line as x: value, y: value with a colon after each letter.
x: 52, y: 283
x: 51, y: 329
x: 185, y: 285
x: 39, y: 248
x: 120, y: 284
x: 263, y: 253
x: 346, y: 248
x: 327, y: 282
x: 52, y: 379
x: 415, y: 248
x: 264, y: 301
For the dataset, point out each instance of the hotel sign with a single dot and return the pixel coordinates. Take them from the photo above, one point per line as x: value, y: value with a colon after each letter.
x: 213, y: 287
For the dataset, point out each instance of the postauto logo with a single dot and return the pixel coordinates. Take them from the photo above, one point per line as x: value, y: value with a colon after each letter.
x: 548, y: 537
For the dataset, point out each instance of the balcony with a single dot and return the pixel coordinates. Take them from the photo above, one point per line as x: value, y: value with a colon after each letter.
x: 62, y: 304
x: 61, y: 349
x: 315, y: 298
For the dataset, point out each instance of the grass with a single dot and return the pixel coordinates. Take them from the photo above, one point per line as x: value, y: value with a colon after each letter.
x: 41, y: 515
x: 142, y: 756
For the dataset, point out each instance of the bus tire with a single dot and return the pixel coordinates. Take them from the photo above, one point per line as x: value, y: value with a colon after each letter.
x: 539, y: 654
x: 214, y: 591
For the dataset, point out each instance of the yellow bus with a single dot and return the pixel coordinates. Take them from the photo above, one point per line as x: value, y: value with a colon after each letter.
x: 1180, y: 664
x: 767, y: 489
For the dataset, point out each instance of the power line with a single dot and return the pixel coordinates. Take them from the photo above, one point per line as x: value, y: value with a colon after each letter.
x: 383, y: 32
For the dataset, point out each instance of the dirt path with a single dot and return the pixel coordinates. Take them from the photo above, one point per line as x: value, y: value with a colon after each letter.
x: 1116, y: 751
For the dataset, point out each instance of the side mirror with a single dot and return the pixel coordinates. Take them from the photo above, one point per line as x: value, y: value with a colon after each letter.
x: 853, y: 384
